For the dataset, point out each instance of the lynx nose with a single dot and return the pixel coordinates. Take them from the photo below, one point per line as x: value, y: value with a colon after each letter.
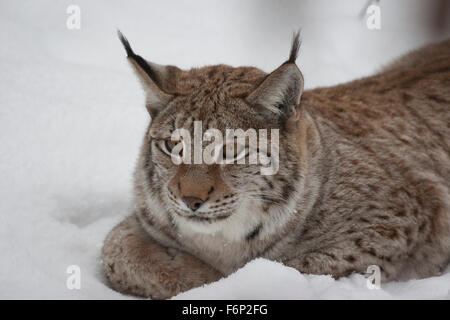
x: 193, y: 202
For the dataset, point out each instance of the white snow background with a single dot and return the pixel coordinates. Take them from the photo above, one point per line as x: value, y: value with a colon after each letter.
x: 72, y: 119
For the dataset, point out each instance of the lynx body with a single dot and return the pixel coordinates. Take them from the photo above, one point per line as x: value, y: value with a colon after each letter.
x: 363, y: 179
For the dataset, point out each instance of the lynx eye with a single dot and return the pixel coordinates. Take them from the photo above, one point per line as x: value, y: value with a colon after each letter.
x: 239, y: 151
x: 168, y: 145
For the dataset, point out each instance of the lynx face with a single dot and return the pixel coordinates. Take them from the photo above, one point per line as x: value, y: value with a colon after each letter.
x: 207, y: 197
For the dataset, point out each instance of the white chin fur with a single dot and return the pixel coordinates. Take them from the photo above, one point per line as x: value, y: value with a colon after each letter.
x: 233, y: 228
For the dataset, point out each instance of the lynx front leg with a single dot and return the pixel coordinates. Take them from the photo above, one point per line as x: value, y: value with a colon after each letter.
x: 136, y: 264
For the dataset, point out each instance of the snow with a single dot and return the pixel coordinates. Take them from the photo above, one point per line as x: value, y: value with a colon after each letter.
x: 72, y: 118
x: 263, y: 279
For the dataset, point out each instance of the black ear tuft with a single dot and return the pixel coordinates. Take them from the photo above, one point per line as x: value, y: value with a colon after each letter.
x: 295, y: 47
x: 281, y: 90
x: 138, y: 59
x: 154, y: 78
x: 126, y: 44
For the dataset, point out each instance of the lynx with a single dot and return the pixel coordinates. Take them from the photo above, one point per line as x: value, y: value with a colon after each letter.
x: 363, y: 179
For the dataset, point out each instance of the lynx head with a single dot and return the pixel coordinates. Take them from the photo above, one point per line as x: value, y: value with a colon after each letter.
x: 212, y: 197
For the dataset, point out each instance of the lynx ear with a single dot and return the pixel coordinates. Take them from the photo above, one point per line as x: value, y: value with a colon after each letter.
x: 156, y: 79
x: 281, y: 90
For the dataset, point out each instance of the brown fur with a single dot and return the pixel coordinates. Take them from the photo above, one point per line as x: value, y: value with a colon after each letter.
x: 364, y: 177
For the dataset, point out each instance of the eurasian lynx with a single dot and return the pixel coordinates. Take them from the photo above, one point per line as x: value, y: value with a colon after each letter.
x: 363, y: 179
